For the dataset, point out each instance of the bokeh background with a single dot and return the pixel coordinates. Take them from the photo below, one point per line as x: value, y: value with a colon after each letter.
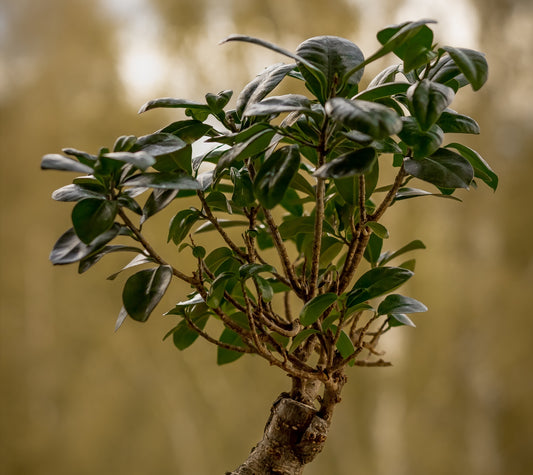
x: 77, y: 398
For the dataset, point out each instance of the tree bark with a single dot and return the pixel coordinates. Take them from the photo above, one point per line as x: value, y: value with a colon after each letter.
x: 296, y: 431
x: 293, y: 437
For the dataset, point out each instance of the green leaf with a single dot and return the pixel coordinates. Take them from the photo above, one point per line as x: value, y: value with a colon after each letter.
x: 482, y: 169
x: 69, y: 249
x: 329, y: 250
x: 408, y: 193
x: 172, y: 103
x: 158, y: 200
x: 344, y: 344
x: 87, y: 262
x: 412, y: 246
x: 217, y: 257
x: 183, y: 335
x: 166, y: 181
x: 379, y: 229
x: 248, y: 270
x: 370, y: 118
x: 471, y: 63
x: 223, y: 223
x: 243, y: 190
x: 398, y: 319
x: 383, y: 90
x: 265, y: 289
x: 189, y: 130
x: 254, y: 145
x: 217, y: 102
x: 141, y: 160
x: 357, y: 162
x: 54, y: 161
x: 218, y: 287
x: 181, y: 224
x: 376, y: 282
x: 278, y: 104
x: 143, y: 291
x: 124, y: 143
x: 159, y: 144
x: 262, y: 85
x: 348, y: 188
x: 138, y: 260
x: 75, y: 193
x: 92, y: 217
x: 225, y: 356
x: 373, y: 249
x: 335, y: 58
x: 445, y: 169
x: 301, y: 337
x: 422, y: 143
x: 427, y: 101
x: 453, y: 122
x: 313, y: 309
x: 397, y: 304
x: 275, y: 175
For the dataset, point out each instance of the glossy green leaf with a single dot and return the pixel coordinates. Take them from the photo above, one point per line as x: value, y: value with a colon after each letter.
x: 294, y: 225
x: 481, y: 168
x: 92, y: 217
x: 344, y: 344
x: 396, y: 303
x: 166, y: 181
x: 427, y: 101
x: 370, y: 118
x: 217, y: 257
x: 188, y: 130
x: 166, y: 102
x: 313, y: 309
x: 181, y: 224
x: 471, y: 63
x: 75, y: 193
x: 243, y: 190
x: 378, y: 229
x: 124, y: 143
x: 84, y: 157
x: 348, y: 188
x: 329, y: 250
x: 408, y: 193
x: 279, y: 104
x: 383, y: 90
x: 87, y: 262
x: 357, y: 162
x: 138, y: 260
x: 223, y: 223
x: 301, y: 337
x: 412, y: 246
x: 262, y: 85
x: 422, y: 143
x: 334, y: 57
x: 54, y: 161
x: 373, y: 249
x: 143, y: 291
x: 218, y: 287
x: 157, y: 201
x: 453, y: 122
x: 184, y: 336
x: 217, y: 102
x: 141, y: 160
x: 275, y: 175
x: 265, y: 288
x: 225, y: 356
x: 159, y: 144
x: 248, y: 270
x: 376, y: 282
x: 254, y: 145
x: 69, y: 248
x: 398, y: 319
x: 445, y: 169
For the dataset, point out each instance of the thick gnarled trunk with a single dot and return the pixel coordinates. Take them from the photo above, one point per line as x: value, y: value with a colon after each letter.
x: 295, y: 432
x: 294, y: 435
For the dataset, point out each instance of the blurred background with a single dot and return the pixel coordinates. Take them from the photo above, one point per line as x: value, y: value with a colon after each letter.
x: 75, y: 397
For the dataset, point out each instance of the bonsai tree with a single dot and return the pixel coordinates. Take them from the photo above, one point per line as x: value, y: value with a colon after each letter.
x: 289, y: 191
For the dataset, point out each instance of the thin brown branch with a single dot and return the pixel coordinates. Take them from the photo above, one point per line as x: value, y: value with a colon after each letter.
x: 387, y: 201
x: 214, y: 221
x: 317, y: 237
x: 151, y: 251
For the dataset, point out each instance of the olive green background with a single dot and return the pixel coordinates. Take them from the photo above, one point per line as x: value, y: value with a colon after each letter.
x: 77, y: 398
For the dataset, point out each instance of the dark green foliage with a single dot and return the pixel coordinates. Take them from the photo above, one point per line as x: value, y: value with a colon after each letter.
x: 300, y: 175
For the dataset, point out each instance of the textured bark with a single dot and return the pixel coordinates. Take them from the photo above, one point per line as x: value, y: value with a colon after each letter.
x: 293, y: 437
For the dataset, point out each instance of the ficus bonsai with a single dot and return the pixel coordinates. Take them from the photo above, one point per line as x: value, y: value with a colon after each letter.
x: 300, y: 175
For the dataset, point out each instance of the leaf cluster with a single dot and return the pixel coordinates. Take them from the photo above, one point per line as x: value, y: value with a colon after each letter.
x: 299, y: 174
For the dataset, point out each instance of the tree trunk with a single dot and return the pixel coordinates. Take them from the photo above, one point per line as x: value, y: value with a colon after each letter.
x: 295, y: 432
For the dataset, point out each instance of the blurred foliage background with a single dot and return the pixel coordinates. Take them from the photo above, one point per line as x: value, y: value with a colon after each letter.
x: 75, y: 397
